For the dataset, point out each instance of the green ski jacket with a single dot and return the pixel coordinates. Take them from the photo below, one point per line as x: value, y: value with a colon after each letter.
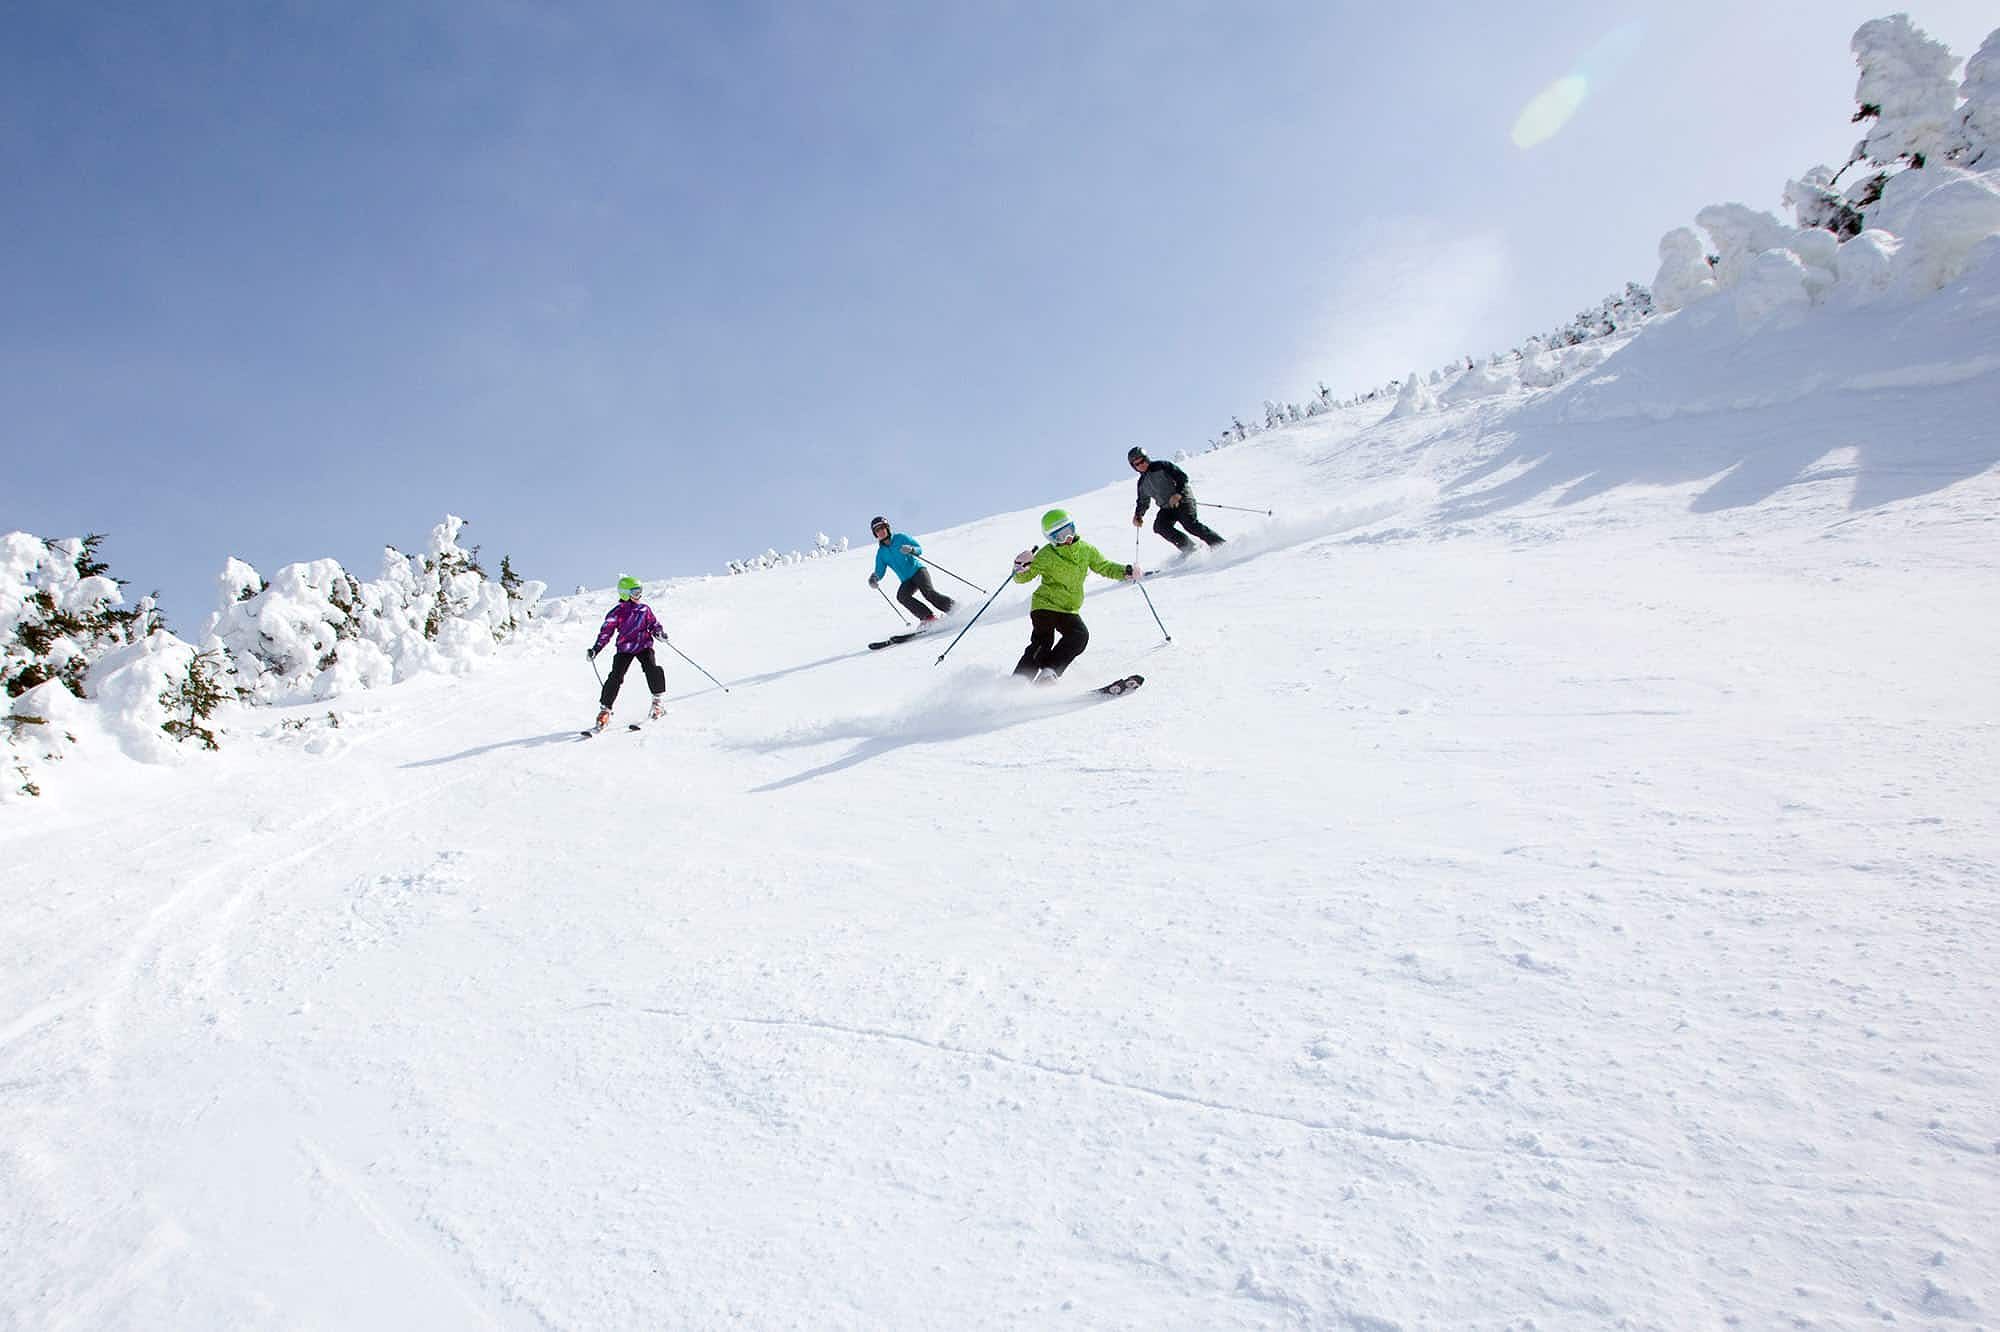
x: 1061, y: 569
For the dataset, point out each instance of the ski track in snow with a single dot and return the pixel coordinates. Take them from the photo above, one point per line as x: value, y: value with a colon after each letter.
x: 1537, y: 886
x: 1130, y: 1088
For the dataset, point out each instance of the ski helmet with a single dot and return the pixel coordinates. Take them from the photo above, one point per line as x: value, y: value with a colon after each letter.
x: 628, y: 588
x: 1054, y: 521
x: 877, y: 521
x: 1135, y: 454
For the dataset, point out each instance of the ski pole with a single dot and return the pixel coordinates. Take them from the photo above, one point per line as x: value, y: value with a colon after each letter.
x: 1149, y: 606
x: 692, y: 662
x: 1236, y: 508
x: 892, y: 605
x: 592, y: 659
x: 974, y: 620
x: 949, y: 574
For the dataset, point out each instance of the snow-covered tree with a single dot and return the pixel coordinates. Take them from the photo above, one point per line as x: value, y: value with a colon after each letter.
x: 1816, y: 204
x: 192, y: 699
x: 80, y: 667
x: 1413, y: 397
x: 315, y: 631
x: 1906, y: 92
x: 1738, y: 234
x: 60, y: 610
x: 1975, y: 139
x: 823, y: 546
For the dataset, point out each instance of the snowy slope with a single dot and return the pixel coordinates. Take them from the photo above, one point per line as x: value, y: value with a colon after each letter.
x: 1548, y: 880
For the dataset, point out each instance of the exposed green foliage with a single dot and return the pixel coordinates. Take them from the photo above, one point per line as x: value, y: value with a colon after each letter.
x: 197, y: 693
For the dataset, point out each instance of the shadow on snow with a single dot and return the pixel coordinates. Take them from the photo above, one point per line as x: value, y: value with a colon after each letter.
x: 955, y: 710
x: 1697, y: 397
x: 526, y: 742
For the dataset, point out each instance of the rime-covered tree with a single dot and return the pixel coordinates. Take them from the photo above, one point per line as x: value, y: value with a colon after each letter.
x: 1815, y: 203
x: 315, y: 630
x: 1907, y: 94
x: 1975, y: 139
x: 60, y: 610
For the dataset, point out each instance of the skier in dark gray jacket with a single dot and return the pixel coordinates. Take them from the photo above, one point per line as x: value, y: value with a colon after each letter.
x: 1167, y: 485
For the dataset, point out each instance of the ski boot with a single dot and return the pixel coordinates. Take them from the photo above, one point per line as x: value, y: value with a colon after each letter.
x: 659, y: 708
x: 603, y: 719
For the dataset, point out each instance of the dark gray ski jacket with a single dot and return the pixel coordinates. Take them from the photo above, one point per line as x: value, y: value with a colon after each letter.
x: 1160, y: 483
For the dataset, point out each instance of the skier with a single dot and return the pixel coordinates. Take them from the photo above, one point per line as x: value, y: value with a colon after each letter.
x: 1059, y: 634
x: 899, y: 552
x: 1168, y: 484
x: 633, y: 621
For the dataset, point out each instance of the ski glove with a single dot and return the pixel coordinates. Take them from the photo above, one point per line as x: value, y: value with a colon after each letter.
x: 907, y: 550
x: 874, y: 580
x: 1131, y: 573
x: 590, y: 654
x: 1174, y: 502
x: 1023, y: 560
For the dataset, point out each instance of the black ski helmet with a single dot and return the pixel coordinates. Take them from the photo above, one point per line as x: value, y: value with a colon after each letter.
x: 1136, y: 454
x: 878, y: 521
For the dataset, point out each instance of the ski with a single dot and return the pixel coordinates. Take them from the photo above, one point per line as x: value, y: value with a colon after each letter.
x: 1124, y: 686
x: 591, y: 731
x: 894, y: 639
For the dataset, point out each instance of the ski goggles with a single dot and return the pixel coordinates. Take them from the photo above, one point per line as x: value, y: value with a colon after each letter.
x: 1063, y: 535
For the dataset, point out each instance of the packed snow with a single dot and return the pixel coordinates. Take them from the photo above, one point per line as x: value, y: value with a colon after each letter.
x: 1547, y: 880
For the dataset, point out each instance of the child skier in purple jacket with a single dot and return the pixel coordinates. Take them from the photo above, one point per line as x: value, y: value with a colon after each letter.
x: 633, y: 621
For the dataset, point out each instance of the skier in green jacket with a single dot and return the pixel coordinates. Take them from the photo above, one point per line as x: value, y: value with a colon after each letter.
x: 1059, y: 635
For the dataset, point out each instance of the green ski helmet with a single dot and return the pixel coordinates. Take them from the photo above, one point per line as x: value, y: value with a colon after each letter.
x: 628, y: 589
x: 1057, y: 527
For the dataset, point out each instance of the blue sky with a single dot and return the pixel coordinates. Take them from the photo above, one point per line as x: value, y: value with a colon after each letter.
x: 642, y: 287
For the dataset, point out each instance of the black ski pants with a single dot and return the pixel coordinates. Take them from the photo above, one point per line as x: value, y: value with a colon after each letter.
x: 1185, y: 516
x: 1057, y: 639
x: 920, y: 581
x: 656, y: 679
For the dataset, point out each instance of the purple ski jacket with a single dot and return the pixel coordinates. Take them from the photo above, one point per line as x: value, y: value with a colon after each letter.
x: 634, y: 623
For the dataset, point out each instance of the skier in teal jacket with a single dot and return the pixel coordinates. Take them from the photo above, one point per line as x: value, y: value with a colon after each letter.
x: 1059, y: 635
x: 899, y: 552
